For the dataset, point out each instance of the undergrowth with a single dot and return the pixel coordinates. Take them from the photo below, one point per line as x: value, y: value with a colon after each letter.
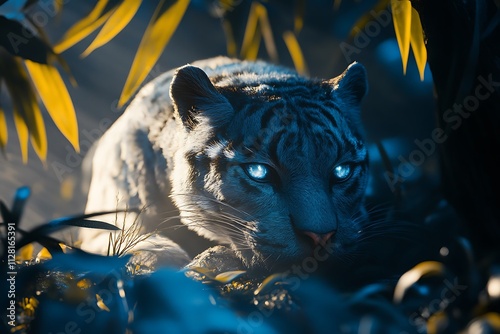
x: 65, y: 290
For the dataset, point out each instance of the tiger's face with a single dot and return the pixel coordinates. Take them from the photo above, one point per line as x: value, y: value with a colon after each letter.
x: 275, y: 170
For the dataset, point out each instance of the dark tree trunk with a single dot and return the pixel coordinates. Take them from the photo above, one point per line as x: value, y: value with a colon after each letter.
x: 463, y: 43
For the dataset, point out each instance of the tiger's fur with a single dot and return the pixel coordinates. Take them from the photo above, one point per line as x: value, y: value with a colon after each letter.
x: 185, y: 141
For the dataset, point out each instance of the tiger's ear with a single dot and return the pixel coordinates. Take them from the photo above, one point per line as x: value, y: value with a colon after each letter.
x: 194, y: 95
x: 352, y: 85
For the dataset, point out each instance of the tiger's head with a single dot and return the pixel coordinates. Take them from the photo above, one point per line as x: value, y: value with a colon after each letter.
x: 274, y: 166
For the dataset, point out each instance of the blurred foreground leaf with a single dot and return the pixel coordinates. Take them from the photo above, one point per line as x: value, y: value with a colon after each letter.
x: 409, y: 278
x: 20, y: 41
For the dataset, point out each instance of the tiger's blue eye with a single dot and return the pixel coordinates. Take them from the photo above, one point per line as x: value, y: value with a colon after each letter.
x: 258, y: 172
x: 342, y: 172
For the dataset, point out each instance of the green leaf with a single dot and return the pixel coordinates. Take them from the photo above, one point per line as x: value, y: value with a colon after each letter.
x: 427, y: 268
x: 401, y: 15
x: 417, y: 43
x: 84, y: 27
x: 295, y: 52
x: 157, y: 35
x: 56, y: 99
x: 118, y: 20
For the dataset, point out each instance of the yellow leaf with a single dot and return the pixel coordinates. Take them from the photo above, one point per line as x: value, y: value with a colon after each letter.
x: 253, y: 49
x: 26, y: 106
x: 44, y: 254
x: 84, y: 283
x: 29, y: 306
x: 119, y: 18
x: 409, y: 278
x: 157, y: 35
x: 58, y: 5
x: 22, y: 134
x: 56, y: 99
x: 269, y: 282
x: 298, y: 19
x: 4, y: 135
x: 368, y: 17
x: 401, y: 15
x: 25, y: 253
x: 336, y: 4
x: 38, y: 137
x: 229, y: 276
x: 202, y: 271
x: 67, y: 188
x: 417, y: 42
x: 84, y: 27
x: 249, y: 38
x: 295, y: 52
x: 101, y: 304
x: 485, y: 322
x: 493, y: 319
x: 437, y: 322
x: 258, y: 26
x: 267, y: 32
x: 230, y: 42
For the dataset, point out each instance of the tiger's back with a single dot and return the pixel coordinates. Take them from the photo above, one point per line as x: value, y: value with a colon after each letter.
x: 251, y: 154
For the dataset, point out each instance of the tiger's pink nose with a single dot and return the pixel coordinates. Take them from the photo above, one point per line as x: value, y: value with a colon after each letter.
x: 319, y: 239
